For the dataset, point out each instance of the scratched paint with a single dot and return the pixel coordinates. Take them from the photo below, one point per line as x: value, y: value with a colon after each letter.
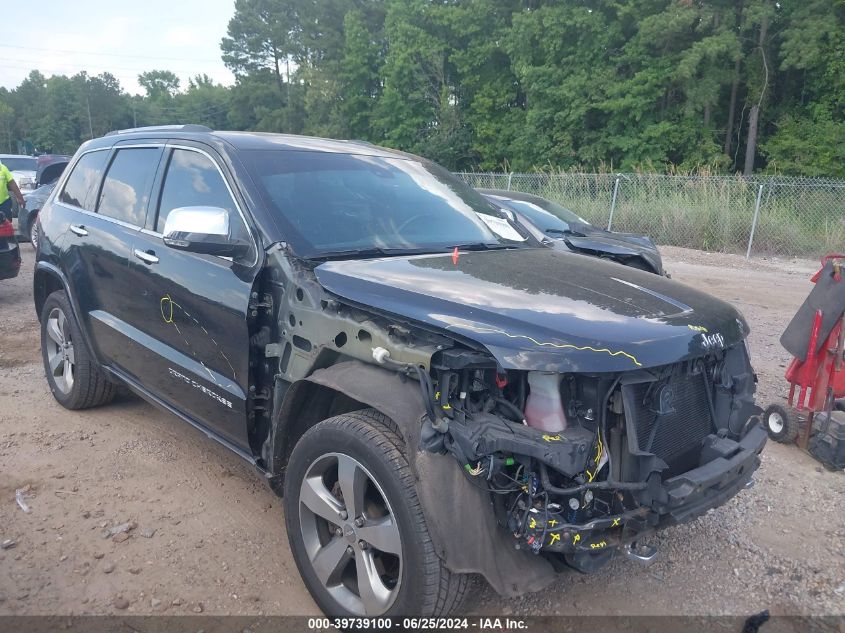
x: 580, y: 348
x: 166, y: 305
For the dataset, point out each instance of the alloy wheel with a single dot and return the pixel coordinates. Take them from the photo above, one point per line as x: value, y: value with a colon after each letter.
x: 350, y: 534
x: 60, y: 355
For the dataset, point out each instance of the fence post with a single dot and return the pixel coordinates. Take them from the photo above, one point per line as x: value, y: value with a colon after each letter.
x: 510, y: 175
x: 613, y: 202
x: 754, y: 221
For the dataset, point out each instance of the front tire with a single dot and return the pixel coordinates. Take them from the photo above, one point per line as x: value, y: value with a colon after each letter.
x: 356, y: 526
x: 74, y: 377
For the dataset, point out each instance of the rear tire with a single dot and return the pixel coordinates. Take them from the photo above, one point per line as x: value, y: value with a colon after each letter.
x: 337, y: 543
x: 74, y: 377
x: 781, y: 423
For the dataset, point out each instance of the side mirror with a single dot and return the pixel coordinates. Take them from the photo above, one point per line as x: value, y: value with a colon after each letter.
x: 202, y: 230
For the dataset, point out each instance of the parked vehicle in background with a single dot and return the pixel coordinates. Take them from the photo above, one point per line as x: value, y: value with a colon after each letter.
x: 567, y: 230
x: 28, y: 216
x: 435, y: 392
x: 46, y: 172
x: 23, y: 168
x: 10, y: 254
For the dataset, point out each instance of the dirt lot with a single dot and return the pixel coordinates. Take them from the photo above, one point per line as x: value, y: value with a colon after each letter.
x: 210, y: 536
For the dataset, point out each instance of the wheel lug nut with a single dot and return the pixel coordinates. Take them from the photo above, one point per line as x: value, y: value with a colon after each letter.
x: 359, y: 521
x: 343, y: 515
x: 338, y: 531
x: 362, y: 544
x: 349, y: 550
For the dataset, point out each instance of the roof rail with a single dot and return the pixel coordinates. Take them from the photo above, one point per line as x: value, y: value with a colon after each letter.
x: 189, y: 127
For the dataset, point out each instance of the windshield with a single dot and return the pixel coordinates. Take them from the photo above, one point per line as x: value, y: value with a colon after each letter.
x: 337, y: 203
x: 545, y: 214
x: 23, y: 163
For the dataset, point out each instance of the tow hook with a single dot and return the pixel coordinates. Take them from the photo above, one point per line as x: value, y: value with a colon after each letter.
x: 641, y: 553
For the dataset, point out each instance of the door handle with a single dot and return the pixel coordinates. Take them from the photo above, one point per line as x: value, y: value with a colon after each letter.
x: 79, y: 230
x: 146, y: 257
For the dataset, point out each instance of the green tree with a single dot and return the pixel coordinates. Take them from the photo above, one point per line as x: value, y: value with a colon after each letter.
x: 159, y: 84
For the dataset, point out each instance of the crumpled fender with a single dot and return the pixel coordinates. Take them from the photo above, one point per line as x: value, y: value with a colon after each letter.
x: 459, y: 515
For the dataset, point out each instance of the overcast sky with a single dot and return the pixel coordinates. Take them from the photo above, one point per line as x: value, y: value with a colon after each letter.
x: 61, y: 37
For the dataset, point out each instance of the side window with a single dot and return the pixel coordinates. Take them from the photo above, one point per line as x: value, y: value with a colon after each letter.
x: 80, y: 190
x: 126, y: 189
x: 192, y: 180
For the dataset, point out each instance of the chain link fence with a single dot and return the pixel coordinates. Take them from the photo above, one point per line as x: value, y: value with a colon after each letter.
x: 792, y: 217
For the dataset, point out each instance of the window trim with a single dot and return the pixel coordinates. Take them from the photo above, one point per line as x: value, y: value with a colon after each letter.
x: 160, y: 190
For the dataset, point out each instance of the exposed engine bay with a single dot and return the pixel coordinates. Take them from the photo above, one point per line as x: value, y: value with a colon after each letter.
x: 578, y: 465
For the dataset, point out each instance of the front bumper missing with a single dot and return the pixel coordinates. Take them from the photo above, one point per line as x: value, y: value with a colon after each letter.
x: 681, y: 499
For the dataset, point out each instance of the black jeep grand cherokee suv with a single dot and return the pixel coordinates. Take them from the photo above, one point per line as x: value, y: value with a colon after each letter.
x: 433, y: 392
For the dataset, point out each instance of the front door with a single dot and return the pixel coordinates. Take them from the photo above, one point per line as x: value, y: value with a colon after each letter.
x: 192, y: 309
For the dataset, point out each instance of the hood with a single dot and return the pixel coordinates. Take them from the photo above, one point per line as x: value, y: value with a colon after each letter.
x: 544, y: 309
x: 610, y: 242
x: 597, y: 241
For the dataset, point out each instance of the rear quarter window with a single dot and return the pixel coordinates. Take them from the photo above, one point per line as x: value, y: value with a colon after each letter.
x: 80, y: 190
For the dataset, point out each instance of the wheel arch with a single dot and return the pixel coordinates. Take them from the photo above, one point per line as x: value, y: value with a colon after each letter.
x: 47, y: 280
x: 342, y: 388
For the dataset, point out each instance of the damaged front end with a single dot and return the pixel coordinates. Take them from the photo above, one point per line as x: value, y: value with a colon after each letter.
x: 579, y: 465
x: 586, y: 404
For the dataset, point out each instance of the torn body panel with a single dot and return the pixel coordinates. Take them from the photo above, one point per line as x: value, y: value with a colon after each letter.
x: 654, y: 391
x: 459, y: 515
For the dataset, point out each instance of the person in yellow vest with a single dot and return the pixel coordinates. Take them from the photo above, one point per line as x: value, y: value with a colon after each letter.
x: 7, y: 185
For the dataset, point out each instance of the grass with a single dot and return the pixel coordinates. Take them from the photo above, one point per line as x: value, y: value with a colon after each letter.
x: 798, y: 217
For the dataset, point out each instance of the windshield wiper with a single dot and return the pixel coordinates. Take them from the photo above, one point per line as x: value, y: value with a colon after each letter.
x: 483, y: 246
x: 365, y: 253
x: 564, y: 232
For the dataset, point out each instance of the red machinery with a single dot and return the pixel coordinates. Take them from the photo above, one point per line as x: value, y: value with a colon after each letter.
x: 816, y: 339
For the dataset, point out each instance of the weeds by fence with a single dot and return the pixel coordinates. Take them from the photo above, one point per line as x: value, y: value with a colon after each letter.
x: 795, y: 216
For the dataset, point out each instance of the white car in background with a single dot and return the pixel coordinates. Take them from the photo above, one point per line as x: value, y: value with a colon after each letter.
x: 23, y: 168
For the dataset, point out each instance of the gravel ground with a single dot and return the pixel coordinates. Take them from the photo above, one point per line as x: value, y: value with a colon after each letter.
x: 206, y: 535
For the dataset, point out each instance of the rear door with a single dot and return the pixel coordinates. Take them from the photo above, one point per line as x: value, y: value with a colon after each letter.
x: 103, y: 218
x: 191, y: 310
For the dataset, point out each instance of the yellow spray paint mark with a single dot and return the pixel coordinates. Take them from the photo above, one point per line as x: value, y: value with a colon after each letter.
x: 533, y: 523
x: 615, y: 522
x: 552, y: 522
x: 576, y: 539
x: 555, y: 537
x: 580, y: 348
x: 552, y: 438
x: 599, y: 451
x: 166, y: 305
x: 598, y: 545
x: 697, y: 328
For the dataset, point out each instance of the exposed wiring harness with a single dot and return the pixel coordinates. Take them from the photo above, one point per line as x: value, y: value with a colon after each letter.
x: 382, y: 357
